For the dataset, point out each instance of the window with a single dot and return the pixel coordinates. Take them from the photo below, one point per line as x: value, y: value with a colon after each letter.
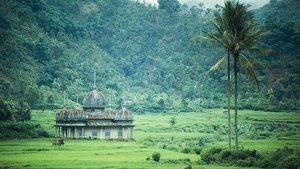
x: 94, y: 133
x: 107, y: 135
x: 120, y: 134
x: 80, y: 133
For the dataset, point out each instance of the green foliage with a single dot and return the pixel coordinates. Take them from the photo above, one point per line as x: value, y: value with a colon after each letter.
x: 52, y: 47
x: 15, y: 111
x: 172, y: 121
x: 281, y: 158
x: 152, y: 133
x: 5, y: 111
x: 197, y: 150
x: 18, y: 130
x: 156, y: 156
x: 171, y: 6
x: 186, y: 150
x: 177, y: 161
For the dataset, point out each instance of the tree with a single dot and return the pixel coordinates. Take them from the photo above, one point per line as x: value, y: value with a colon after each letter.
x: 242, y: 34
x: 218, y: 37
x: 171, y: 6
x: 238, y: 33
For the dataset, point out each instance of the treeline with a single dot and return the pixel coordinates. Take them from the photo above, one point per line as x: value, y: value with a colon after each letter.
x: 142, y: 53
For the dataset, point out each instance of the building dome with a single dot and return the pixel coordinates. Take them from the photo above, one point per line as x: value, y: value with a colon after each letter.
x: 94, y: 100
x: 124, y: 114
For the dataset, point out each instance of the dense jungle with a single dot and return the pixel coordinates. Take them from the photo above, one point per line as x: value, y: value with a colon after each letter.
x: 143, y: 53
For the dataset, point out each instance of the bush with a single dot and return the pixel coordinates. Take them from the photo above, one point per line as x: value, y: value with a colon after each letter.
x: 197, y: 150
x: 290, y: 162
x: 211, y: 155
x: 14, y: 110
x: 13, y: 130
x: 186, y: 150
x: 188, y: 167
x: 284, y: 158
x: 156, y: 156
x: 178, y: 161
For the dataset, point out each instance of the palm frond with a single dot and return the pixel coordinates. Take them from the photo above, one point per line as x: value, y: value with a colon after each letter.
x: 252, y: 39
x: 262, y: 51
x: 216, y: 67
x: 216, y: 38
x: 219, y: 28
x: 249, y: 70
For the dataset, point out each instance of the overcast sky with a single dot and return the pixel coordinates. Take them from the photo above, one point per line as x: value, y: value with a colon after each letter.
x: 212, y: 3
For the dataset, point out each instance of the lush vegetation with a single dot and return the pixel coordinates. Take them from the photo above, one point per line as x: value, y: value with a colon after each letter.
x: 21, y: 130
x: 49, y: 49
x: 197, y: 140
x: 150, y: 56
x: 281, y: 158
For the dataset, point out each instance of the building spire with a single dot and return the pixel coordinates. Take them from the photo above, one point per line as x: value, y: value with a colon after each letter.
x: 94, y: 87
x: 110, y: 99
x: 77, y: 104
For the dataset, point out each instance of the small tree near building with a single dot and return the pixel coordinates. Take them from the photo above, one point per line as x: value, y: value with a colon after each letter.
x: 156, y: 156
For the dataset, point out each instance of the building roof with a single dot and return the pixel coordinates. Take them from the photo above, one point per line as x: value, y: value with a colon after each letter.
x: 107, y: 124
x: 70, y: 115
x: 94, y: 113
x: 94, y: 99
x: 99, y: 116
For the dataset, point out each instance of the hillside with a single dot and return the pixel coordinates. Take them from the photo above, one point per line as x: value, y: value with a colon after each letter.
x: 50, y: 48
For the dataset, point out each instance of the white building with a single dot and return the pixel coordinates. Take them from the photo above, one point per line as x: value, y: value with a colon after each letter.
x: 93, y: 121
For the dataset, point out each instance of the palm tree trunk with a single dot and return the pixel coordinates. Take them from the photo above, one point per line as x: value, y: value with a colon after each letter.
x: 235, y: 103
x: 228, y: 99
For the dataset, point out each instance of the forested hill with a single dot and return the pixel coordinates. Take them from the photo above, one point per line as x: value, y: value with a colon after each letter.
x: 50, y: 48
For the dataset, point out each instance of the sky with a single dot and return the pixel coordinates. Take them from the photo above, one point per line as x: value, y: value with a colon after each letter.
x: 211, y: 3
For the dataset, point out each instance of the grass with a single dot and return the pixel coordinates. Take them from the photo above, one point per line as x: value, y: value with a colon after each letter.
x: 39, y: 153
x: 151, y: 133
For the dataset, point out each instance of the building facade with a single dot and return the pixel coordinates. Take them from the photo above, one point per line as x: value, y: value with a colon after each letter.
x: 93, y: 121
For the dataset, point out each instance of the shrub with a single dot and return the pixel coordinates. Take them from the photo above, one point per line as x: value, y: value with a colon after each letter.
x: 290, y: 162
x: 197, y: 150
x: 188, y: 167
x: 284, y: 158
x: 178, y: 161
x: 186, y: 150
x: 13, y: 130
x: 172, y: 121
x: 211, y: 155
x: 156, y: 156
x: 225, y: 156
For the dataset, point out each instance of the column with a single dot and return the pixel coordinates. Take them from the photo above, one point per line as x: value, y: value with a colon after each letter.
x: 75, y: 133
x: 55, y: 131
x: 123, y: 133
x: 59, y: 128
x: 131, y: 132
x: 63, y: 131
x: 101, y: 133
x: 69, y: 132
x: 83, y: 134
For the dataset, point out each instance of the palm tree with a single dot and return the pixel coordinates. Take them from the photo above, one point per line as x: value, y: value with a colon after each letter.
x: 219, y: 36
x: 213, y: 69
x: 243, y: 35
x: 238, y: 33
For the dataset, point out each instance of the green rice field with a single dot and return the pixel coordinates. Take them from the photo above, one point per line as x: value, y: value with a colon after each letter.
x: 153, y: 133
